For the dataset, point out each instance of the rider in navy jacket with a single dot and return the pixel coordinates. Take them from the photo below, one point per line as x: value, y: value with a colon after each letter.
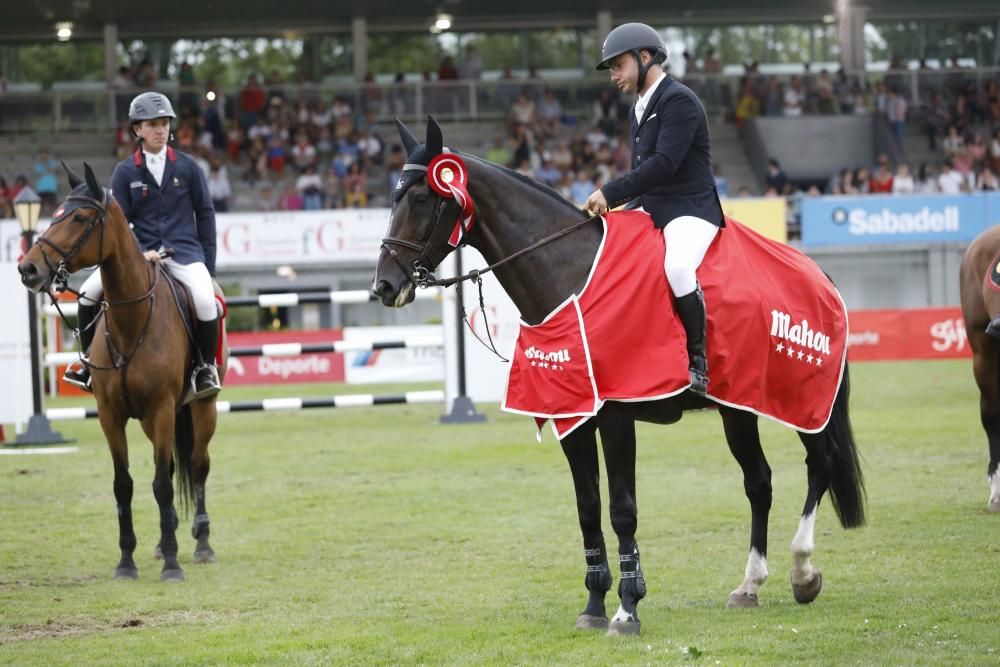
x: 164, y: 215
x: 164, y: 196
x: 671, y: 176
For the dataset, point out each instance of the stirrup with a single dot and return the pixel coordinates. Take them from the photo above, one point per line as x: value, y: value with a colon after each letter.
x: 209, y: 389
x: 79, y: 378
x: 993, y: 330
x: 699, y: 382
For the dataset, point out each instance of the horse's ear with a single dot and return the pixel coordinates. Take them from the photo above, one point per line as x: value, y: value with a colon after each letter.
x: 434, y: 143
x: 409, y: 141
x: 95, y: 187
x: 74, y: 180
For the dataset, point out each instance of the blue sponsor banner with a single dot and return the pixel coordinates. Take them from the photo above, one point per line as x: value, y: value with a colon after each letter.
x: 992, y: 208
x: 881, y: 219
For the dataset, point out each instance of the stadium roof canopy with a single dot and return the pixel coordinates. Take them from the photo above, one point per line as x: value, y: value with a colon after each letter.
x: 34, y: 20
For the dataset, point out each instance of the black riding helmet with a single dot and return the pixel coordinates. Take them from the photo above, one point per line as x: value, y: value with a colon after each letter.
x: 633, y: 38
x: 149, y: 106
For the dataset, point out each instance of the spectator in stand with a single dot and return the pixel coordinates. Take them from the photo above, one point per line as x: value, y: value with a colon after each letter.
x: 562, y: 157
x: 20, y: 183
x: 355, y: 187
x: 986, y: 180
x: 447, y: 70
x: 954, y: 143
x: 370, y: 147
x: 881, y: 181
x: 712, y: 67
x: 950, y: 181
x: 265, y: 199
x: 333, y: 189
x: 926, y: 182
x: 508, y: 88
x: 550, y: 113
x: 902, y: 182
x: 185, y: 136
x: 794, y: 98
x: 843, y: 89
x: 324, y: 145
x: 775, y: 177
x: 46, y: 185
x: 880, y: 98
x: 309, y: 185
x: 6, y: 207
x: 975, y: 151
x: 371, y: 94
x: 862, y: 180
x: 394, y: 163
x: 499, y: 153
x: 809, y: 92
x: 253, y: 102
x: 471, y: 67
x: 605, y: 112
x: 774, y: 98
x: 523, y: 143
x: 721, y: 185
x: 994, y: 155
x: 825, y: 101
x: 276, y: 86
x: 938, y: 118
x: 256, y: 161
x: 343, y: 117
x: 747, y: 106
x: 547, y: 173
x: 522, y: 112
x: 290, y: 199
x: 303, y: 152
x: 276, y: 155
x: 895, y: 113
x: 581, y: 187
x: 219, y: 188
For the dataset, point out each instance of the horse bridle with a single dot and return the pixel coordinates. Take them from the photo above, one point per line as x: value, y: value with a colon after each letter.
x: 420, y: 275
x: 61, y: 271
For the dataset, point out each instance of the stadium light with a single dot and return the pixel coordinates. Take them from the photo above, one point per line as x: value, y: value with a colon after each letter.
x: 442, y: 23
x: 64, y: 30
x: 829, y: 18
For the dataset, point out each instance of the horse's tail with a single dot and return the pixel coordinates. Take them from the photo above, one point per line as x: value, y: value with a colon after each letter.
x: 847, y: 485
x: 183, y: 447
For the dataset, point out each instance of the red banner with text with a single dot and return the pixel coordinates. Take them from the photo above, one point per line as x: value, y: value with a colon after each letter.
x: 919, y: 333
x: 309, y: 367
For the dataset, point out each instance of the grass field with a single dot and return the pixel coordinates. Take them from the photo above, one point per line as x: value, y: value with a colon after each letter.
x: 378, y: 536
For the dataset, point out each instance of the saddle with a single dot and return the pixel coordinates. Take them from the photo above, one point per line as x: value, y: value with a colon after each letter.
x: 185, y: 307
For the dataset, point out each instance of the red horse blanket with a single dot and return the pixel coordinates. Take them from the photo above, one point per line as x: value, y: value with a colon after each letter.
x: 777, y: 332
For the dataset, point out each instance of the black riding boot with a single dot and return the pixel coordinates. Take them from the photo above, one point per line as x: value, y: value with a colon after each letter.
x: 691, y: 309
x: 78, y: 373
x: 205, y: 379
x: 993, y: 329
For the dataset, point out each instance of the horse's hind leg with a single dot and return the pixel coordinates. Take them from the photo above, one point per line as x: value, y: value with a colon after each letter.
x: 204, y: 416
x: 807, y: 580
x: 986, y: 368
x: 159, y: 428
x: 580, y: 448
x: 114, y: 431
x: 617, y: 427
x: 744, y: 443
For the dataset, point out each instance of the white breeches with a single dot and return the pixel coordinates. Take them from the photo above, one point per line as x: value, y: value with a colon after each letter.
x: 687, y: 239
x: 195, y: 276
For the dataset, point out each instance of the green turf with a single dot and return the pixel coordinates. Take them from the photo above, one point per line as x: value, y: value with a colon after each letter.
x: 378, y: 536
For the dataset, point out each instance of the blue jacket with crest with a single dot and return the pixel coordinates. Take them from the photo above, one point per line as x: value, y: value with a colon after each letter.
x: 176, y: 214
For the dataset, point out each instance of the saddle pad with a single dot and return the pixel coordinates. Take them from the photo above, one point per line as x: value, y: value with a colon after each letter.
x: 777, y: 332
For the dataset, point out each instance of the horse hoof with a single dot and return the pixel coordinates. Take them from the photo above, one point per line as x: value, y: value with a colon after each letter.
x: 995, y: 504
x: 807, y: 592
x: 157, y: 553
x: 623, y: 628
x: 172, y: 575
x: 204, y: 556
x: 742, y: 601
x: 126, y: 573
x: 588, y: 622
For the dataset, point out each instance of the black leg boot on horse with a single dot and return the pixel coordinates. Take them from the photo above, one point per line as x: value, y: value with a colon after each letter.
x: 691, y: 309
x: 205, y: 379
x: 78, y: 372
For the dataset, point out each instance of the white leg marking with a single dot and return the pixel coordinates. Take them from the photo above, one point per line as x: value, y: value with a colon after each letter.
x: 622, y: 616
x: 802, y: 550
x: 755, y: 575
x: 995, y: 492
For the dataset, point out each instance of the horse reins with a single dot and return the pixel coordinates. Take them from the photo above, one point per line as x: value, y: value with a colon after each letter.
x: 422, y: 277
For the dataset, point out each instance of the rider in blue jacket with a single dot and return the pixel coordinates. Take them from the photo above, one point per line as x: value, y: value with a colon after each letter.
x: 165, y: 197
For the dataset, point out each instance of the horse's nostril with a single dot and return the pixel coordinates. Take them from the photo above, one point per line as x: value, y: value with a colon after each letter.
x: 27, y: 269
x: 381, y: 287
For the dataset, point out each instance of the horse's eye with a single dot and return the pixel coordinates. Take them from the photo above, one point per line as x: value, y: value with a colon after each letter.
x: 79, y: 217
x: 420, y: 200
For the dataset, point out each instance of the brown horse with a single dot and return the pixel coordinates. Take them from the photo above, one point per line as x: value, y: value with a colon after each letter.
x: 980, y: 303
x: 141, y: 369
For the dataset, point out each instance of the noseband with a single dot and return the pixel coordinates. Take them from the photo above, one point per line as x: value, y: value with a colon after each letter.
x: 60, y: 271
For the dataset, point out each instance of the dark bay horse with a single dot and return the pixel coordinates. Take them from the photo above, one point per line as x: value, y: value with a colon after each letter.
x: 512, y: 213
x: 980, y: 303
x: 140, y: 360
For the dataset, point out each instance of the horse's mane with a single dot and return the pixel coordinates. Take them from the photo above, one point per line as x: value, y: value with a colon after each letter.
x: 530, y: 182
